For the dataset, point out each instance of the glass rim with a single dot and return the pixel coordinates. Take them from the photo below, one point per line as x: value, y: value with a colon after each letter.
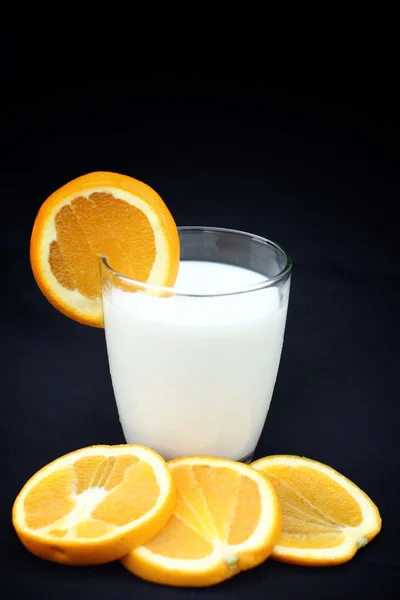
x: 171, y: 291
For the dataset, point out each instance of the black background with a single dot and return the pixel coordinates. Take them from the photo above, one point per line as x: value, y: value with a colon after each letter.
x: 295, y: 142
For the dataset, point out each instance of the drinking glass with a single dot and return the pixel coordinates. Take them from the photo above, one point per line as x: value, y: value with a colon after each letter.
x: 193, y: 367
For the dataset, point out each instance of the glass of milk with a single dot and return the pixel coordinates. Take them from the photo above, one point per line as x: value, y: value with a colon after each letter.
x: 193, y: 367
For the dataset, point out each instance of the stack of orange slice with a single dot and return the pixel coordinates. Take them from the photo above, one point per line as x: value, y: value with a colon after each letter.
x: 194, y: 521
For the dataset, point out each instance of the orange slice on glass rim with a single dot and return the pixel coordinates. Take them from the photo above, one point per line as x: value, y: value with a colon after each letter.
x: 101, y: 214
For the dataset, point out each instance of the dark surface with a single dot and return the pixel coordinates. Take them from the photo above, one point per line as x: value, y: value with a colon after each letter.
x: 298, y: 145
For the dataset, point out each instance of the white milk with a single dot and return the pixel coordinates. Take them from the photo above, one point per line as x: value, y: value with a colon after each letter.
x: 195, y: 375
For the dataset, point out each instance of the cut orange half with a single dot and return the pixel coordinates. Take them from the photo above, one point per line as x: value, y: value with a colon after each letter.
x: 326, y: 517
x: 94, y: 505
x: 227, y: 519
x: 101, y: 214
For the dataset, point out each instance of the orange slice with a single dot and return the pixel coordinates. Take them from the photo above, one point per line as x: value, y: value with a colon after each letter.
x: 93, y: 505
x: 101, y: 214
x: 226, y: 520
x: 326, y: 517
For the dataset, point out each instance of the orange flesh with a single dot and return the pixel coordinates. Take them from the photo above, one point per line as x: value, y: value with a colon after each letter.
x: 213, y: 504
x: 50, y: 500
x: 315, y: 508
x: 94, y: 226
x: 133, y: 498
x: 132, y: 491
x: 178, y: 540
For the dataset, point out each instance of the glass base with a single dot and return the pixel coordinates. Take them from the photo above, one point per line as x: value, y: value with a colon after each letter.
x: 246, y: 459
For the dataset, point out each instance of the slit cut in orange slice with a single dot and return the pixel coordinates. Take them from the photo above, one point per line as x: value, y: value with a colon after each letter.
x: 94, y: 505
x: 101, y: 214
